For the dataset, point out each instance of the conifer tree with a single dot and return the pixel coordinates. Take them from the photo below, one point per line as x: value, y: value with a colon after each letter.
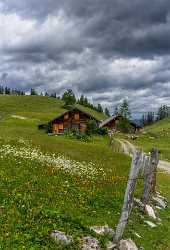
x: 107, y: 112
x: 69, y: 97
x: 124, y: 109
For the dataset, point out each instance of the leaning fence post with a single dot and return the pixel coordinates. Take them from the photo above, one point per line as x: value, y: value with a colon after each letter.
x: 128, y: 198
x: 155, y: 161
x: 150, y: 176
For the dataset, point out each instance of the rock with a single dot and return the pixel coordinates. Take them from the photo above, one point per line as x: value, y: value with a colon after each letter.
x: 139, y: 204
x: 102, y: 230
x: 160, y: 208
x: 150, y: 212
x: 163, y: 198
x: 151, y: 224
x: 61, y: 238
x: 111, y: 246
x: 90, y: 243
x: 160, y: 201
x: 127, y: 245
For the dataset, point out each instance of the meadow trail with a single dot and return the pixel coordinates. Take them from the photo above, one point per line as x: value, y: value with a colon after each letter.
x: 129, y: 149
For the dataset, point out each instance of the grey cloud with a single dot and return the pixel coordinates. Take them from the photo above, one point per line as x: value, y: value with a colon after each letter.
x: 105, y: 49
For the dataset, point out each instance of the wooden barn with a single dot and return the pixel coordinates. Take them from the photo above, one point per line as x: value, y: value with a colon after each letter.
x: 112, y: 123
x: 72, y: 119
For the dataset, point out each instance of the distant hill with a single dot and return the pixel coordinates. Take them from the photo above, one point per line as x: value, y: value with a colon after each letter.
x: 41, y: 108
x: 162, y: 125
x: 156, y: 135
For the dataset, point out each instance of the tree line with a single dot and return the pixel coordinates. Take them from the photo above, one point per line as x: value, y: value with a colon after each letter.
x: 151, y: 117
x: 69, y: 98
x: 8, y: 91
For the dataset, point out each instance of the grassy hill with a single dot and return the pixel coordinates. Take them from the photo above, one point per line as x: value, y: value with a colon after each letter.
x: 50, y: 183
x: 40, y: 108
x: 157, y: 135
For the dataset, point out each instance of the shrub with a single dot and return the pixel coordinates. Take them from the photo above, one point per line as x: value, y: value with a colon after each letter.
x: 91, y: 127
x: 124, y: 125
x: 102, y: 131
x: 75, y: 134
x: 49, y: 128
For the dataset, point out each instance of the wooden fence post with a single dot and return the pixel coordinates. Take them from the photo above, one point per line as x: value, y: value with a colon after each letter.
x: 128, y: 198
x: 110, y: 134
x: 149, y: 176
x: 155, y: 161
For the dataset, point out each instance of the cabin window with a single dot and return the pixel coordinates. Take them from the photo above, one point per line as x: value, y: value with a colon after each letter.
x: 66, y: 116
x: 76, y: 116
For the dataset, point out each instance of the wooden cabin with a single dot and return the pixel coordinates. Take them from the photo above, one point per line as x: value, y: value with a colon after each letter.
x: 112, y: 123
x: 72, y: 119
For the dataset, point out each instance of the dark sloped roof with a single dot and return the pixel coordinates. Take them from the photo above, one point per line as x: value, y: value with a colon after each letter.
x: 135, y: 124
x: 76, y: 109
x: 105, y: 122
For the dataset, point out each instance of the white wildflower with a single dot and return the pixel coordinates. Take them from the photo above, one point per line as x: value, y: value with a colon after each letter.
x: 59, y: 161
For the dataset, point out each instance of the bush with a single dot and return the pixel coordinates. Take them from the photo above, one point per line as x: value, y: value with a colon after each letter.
x: 91, y: 127
x: 75, y: 134
x: 124, y: 125
x: 102, y: 131
x: 49, y: 128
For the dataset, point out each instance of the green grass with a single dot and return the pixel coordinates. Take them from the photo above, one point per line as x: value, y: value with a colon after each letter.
x: 152, y: 238
x: 156, y: 135
x: 41, y: 108
x: 36, y: 198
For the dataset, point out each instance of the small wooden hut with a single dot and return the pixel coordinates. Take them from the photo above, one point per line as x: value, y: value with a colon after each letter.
x: 112, y: 123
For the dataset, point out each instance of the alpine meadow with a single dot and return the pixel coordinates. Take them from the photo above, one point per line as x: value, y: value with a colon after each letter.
x: 84, y: 125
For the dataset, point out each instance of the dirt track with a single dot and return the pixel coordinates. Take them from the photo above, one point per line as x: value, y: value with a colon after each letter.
x: 129, y: 149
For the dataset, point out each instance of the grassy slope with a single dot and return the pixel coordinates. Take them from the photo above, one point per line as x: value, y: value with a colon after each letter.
x: 157, y: 135
x: 36, y: 199
x: 38, y: 107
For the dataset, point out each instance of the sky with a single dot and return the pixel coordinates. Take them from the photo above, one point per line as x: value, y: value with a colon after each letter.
x: 107, y: 50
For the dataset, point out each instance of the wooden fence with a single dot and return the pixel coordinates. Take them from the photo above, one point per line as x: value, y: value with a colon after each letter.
x: 145, y: 167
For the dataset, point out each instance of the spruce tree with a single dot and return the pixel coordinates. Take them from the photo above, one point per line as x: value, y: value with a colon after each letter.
x: 107, y: 112
x: 99, y: 108
x: 124, y: 109
x: 33, y: 92
x: 69, y: 97
x: 116, y: 111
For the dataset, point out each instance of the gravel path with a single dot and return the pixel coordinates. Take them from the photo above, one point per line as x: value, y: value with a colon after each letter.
x: 129, y: 149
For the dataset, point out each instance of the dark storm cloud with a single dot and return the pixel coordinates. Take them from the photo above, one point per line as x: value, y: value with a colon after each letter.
x: 106, y: 49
